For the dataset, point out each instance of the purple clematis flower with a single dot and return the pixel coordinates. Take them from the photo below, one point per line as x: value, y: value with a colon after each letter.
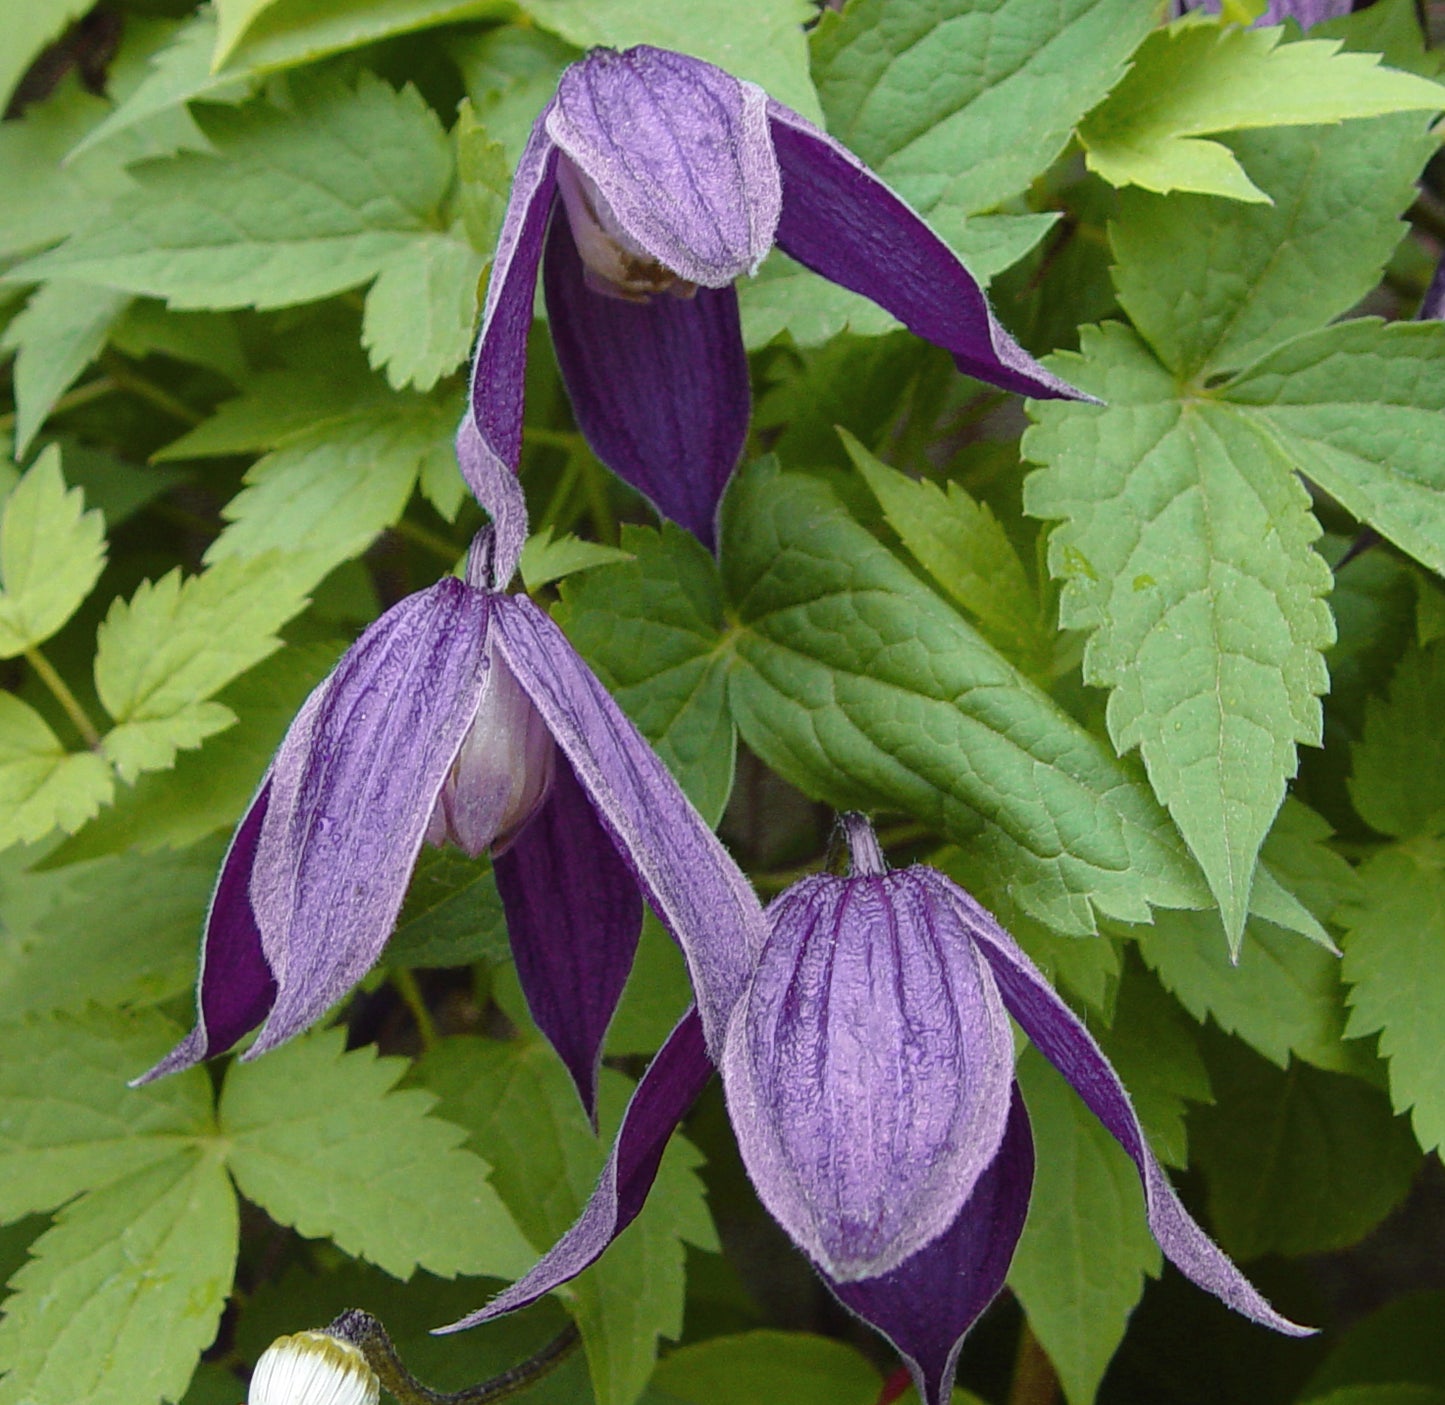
x: 868, y: 1065
x: 464, y: 714
x: 651, y: 182
x: 1306, y: 13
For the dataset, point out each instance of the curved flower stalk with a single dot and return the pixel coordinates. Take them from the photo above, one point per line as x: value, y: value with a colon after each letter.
x: 868, y: 1065
x: 651, y: 182
x: 464, y: 714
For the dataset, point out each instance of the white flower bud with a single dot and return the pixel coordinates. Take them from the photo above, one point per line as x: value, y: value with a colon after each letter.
x: 502, y: 773
x: 313, y: 1368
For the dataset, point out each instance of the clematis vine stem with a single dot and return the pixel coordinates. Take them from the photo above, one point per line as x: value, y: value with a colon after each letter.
x: 60, y: 691
x: 367, y: 1334
x: 415, y: 1002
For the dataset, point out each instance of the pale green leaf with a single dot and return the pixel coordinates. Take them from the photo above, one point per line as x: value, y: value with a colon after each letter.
x: 1078, y: 1275
x: 42, y: 785
x: 59, y: 334
x: 484, y: 178
x: 52, y: 552
x: 1186, y: 548
x: 1398, y: 780
x: 207, y: 339
x: 1394, y: 960
x: 510, y: 72
x: 786, y: 297
x: 1155, y: 1049
x: 860, y: 685
x: 1297, y: 1161
x: 331, y: 488
x: 522, y: 1111
x: 321, y: 1141
x: 126, y: 1291
x: 545, y: 560
x: 68, y: 1123
x: 161, y: 655
x: 117, y: 931
x: 760, y: 40
x: 1210, y: 285
x: 961, y: 105
x: 206, y: 790
x: 421, y: 310
x: 767, y: 1365
x: 1193, y: 79
x: 292, y: 205
x: 959, y: 542
x: 233, y: 18
x: 29, y: 27
x: 651, y: 628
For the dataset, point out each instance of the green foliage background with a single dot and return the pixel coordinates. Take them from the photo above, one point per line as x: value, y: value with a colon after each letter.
x: 1112, y: 666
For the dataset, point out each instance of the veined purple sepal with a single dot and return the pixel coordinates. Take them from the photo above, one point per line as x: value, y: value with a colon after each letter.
x: 353, y: 787
x: 927, y: 1304
x: 676, y: 1076
x: 677, y: 163
x: 1060, y: 1036
x: 659, y: 389
x: 868, y: 1069
x: 235, y: 988
x: 845, y: 224
x: 574, y: 914
x: 695, y: 889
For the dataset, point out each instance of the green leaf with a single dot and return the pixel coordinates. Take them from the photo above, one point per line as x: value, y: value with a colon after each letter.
x: 233, y: 18
x: 651, y: 628
x: 544, y: 560
x: 162, y: 654
x: 126, y: 1291
x: 484, y: 179
x: 524, y: 1117
x: 42, y: 785
x: 52, y: 552
x: 1186, y: 548
x: 321, y: 1140
x: 1297, y: 1161
x: 760, y: 40
x: 1155, y: 1050
x: 421, y: 310
x: 292, y: 205
x: 28, y: 29
x: 69, y: 1124
x: 118, y: 931
x: 1211, y: 285
x: 207, y: 789
x: 1356, y: 408
x: 853, y: 680
x: 452, y: 915
x: 786, y: 297
x: 960, y: 106
x: 959, y: 542
x: 1382, y: 1395
x: 656, y: 995
x: 1394, y: 959
x: 1398, y: 1342
x: 1398, y: 780
x: 1195, y: 78
x: 59, y: 334
x: 1078, y: 1275
x: 207, y: 339
x: 766, y: 1365
x: 330, y: 488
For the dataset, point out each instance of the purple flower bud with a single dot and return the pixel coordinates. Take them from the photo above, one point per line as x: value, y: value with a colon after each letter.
x: 502, y: 773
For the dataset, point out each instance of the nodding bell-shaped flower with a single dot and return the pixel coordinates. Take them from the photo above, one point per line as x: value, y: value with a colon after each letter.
x: 313, y: 1368
x: 868, y: 1066
x: 464, y: 714
x: 1306, y: 12
x: 651, y: 182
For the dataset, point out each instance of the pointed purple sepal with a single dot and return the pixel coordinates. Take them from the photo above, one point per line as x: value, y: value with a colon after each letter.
x: 696, y: 890
x: 658, y: 387
x: 353, y: 788
x: 574, y: 914
x: 1060, y: 1036
x: 926, y: 1305
x: 676, y: 1076
x: 677, y: 160
x: 845, y: 224
x: 868, y: 1069
x: 235, y: 988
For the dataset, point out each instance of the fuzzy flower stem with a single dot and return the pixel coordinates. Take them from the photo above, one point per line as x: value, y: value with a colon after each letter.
x: 363, y: 1331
